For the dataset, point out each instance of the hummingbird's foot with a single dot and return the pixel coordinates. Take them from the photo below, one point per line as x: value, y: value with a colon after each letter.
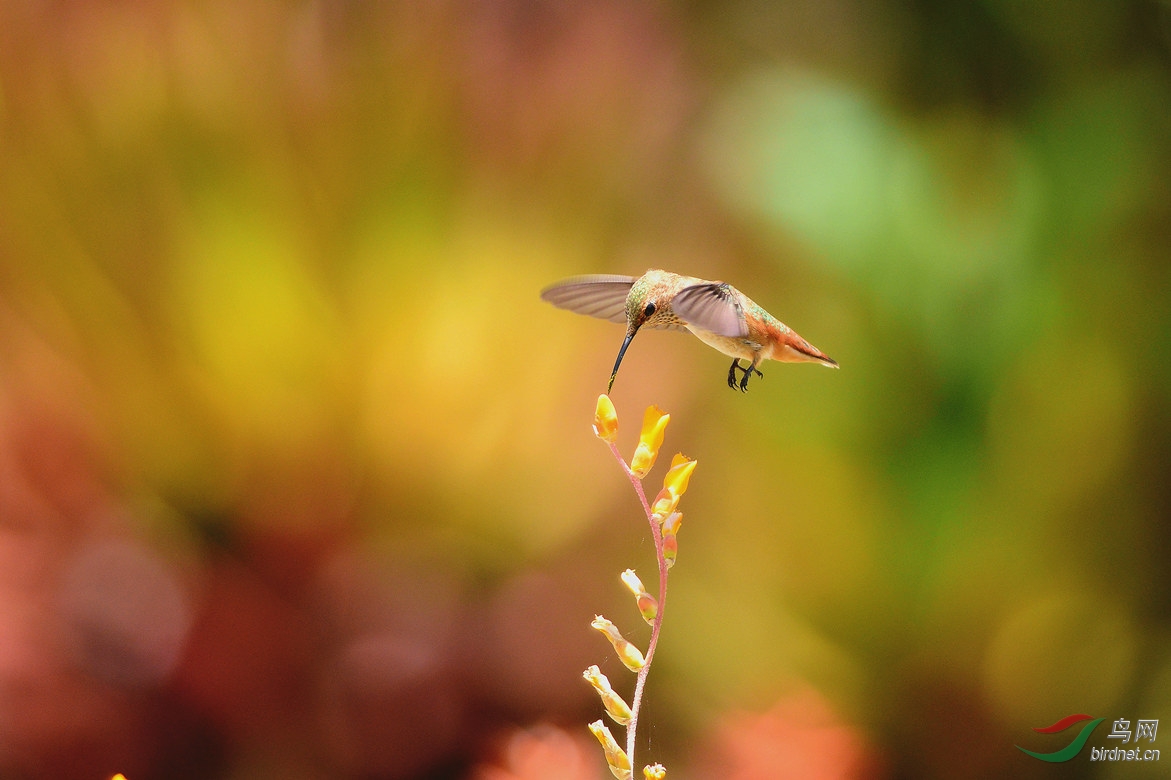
x: 743, y: 382
x: 747, y: 373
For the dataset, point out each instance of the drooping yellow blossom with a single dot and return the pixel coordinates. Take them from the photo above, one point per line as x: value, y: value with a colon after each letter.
x: 616, y: 757
x: 679, y: 475
x: 631, y: 657
x: 615, y: 706
x: 654, y: 424
x: 648, y: 606
x: 674, y: 486
x: 606, y: 419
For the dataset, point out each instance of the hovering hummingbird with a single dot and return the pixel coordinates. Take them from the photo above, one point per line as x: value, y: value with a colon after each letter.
x: 716, y: 312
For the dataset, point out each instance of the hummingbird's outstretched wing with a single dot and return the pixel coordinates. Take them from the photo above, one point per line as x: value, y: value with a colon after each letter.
x: 712, y: 306
x: 597, y: 295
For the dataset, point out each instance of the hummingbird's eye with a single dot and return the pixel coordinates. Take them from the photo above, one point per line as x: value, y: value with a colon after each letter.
x: 650, y: 309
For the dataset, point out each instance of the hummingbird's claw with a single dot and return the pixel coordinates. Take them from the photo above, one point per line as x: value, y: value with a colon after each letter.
x: 743, y: 382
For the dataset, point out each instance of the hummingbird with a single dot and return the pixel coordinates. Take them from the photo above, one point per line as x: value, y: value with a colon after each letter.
x: 717, y: 314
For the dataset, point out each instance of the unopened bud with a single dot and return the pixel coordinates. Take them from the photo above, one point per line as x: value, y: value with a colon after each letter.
x: 616, y: 757
x: 630, y: 655
x: 676, y: 479
x: 670, y: 537
x: 654, y: 424
x: 615, y: 706
x: 605, y: 419
x: 664, y: 504
x: 670, y: 550
x: 648, y: 607
x: 654, y: 772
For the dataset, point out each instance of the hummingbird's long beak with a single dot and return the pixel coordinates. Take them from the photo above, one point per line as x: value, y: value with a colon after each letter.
x: 625, y: 343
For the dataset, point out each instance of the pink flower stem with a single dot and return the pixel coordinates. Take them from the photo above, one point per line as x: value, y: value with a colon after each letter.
x: 657, y: 624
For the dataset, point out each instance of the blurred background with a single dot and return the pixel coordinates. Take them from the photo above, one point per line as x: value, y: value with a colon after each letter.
x: 296, y: 471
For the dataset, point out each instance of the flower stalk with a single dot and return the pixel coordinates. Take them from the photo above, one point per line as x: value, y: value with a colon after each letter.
x: 664, y: 522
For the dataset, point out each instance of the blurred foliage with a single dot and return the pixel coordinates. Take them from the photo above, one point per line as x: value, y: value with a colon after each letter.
x: 296, y: 471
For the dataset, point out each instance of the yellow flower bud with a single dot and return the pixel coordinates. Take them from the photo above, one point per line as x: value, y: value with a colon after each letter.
x: 615, y: 706
x: 648, y: 606
x: 679, y: 475
x: 630, y: 655
x: 654, y: 772
x: 606, y: 419
x: 616, y: 757
x: 654, y: 424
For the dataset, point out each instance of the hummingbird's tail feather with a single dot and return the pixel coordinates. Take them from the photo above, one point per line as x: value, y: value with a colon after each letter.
x: 595, y: 295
